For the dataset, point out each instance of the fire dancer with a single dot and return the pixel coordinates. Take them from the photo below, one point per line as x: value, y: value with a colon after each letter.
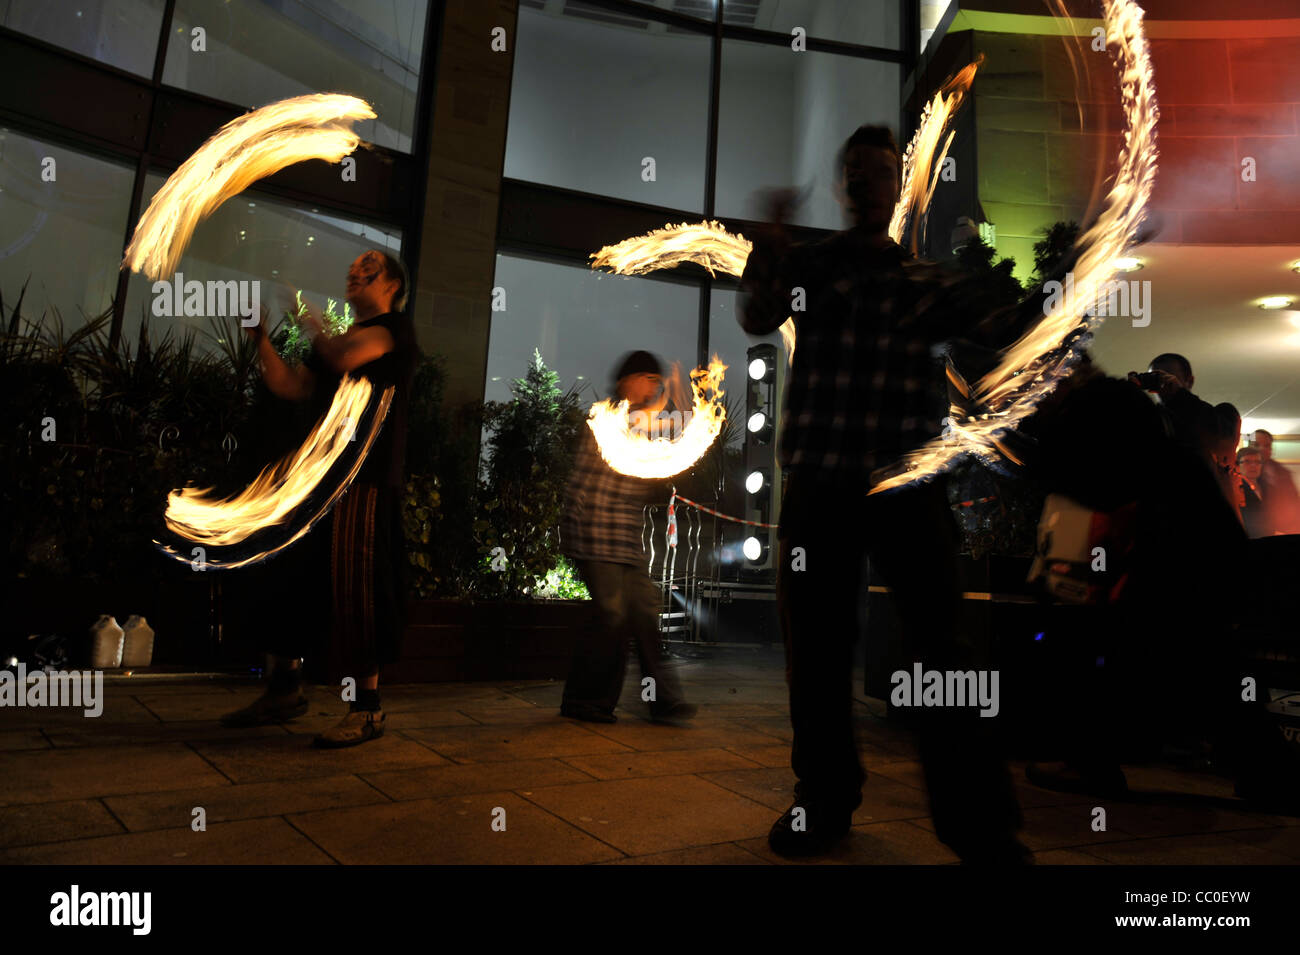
x: 366, y: 555
x: 864, y: 389
x: 601, y: 530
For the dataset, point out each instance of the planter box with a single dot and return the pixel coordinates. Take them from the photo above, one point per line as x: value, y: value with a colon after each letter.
x: 453, y: 640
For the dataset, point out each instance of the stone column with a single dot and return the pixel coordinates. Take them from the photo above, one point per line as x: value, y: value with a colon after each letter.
x: 458, y: 245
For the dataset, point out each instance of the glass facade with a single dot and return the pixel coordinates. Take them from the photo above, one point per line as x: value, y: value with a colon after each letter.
x: 593, y: 102
x: 121, y: 33
x: 583, y: 323
x: 254, y: 238
x: 257, y: 51
x: 598, y: 88
x: 63, y: 216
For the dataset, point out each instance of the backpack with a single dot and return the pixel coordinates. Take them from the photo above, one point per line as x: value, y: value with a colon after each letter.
x: 1083, y: 554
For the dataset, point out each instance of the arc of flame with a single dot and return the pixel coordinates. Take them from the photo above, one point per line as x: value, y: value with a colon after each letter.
x: 923, y: 158
x: 639, y: 455
x: 1030, y: 369
x: 316, y: 126
x: 262, y: 142
x: 278, y: 492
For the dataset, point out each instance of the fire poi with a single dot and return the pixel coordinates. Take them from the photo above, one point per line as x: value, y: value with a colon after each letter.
x: 288, y: 497
x: 1030, y: 368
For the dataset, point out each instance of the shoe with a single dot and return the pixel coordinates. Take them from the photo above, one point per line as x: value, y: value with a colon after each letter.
x: 589, y: 714
x: 821, y: 825
x: 357, y: 727
x: 269, y: 708
x: 678, y: 714
x: 1101, y: 780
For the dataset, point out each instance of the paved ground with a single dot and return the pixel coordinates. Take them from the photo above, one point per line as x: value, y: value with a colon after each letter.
x: 122, y: 788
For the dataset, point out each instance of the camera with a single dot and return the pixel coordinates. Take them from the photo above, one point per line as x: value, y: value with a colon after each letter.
x: 1150, y: 380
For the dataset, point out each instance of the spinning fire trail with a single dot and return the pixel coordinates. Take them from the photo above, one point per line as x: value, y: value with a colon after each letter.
x: 288, y: 497
x: 1030, y: 368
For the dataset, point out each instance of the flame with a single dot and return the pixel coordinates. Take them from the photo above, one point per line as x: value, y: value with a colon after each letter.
x: 639, y: 454
x: 243, y: 151
x: 280, y: 489
x: 1031, y: 368
x: 923, y: 158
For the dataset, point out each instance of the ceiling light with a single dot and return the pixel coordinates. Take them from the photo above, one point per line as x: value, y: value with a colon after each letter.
x: 1274, y: 301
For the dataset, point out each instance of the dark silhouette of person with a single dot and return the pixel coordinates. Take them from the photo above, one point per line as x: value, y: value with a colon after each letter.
x: 864, y: 388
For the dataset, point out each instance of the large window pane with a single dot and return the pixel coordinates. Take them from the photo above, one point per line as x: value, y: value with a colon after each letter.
x: 865, y: 22
x: 251, y: 237
x: 783, y: 117
x: 590, y: 100
x: 122, y: 33
x: 583, y: 322
x: 259, y: 51
x: 64, y: 234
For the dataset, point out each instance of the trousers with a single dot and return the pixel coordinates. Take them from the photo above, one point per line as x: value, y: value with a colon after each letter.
x: 626, y: 608
x: 911, y: 539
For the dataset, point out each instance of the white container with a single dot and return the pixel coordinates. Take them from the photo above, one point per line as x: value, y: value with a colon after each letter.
x: 106, y: 639
x: 137, y: 645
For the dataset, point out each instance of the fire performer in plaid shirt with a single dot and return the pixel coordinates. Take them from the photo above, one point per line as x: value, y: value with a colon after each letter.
x: 866, y: 387
x: 602, y: 531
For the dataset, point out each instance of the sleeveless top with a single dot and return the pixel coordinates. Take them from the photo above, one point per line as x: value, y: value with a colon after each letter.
x: 384, y: 465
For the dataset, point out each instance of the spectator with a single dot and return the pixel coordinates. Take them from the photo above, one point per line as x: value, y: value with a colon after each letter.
x: 1277, y: 489
x: 1191, y: 421
x: 1250, y: 464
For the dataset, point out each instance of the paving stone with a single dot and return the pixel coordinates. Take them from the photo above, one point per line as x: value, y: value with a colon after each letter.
x: 166, y: 810
x: 726, y: 854
x: 671, y: 763
x: 657, y: 737
x: 1208, y: 849
x: 55, y: 822
x: 23, y: 739
x: 92, y: 733
x: 523, y: 775
x: 294, y: 757
x: 484, y: 744
x: 249, y: 842
x: 641, y: 816
x: 62, y: 774
x: 454, y: 830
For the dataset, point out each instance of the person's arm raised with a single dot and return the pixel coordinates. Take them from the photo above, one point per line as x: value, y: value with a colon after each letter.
x: 291, y: 384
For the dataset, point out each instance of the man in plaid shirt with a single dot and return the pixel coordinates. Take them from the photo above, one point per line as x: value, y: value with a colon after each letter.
x: 866, y: 386
x: 602, y: 531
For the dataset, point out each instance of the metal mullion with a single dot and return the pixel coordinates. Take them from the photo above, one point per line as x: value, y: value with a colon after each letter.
x: 141, y: 172
x: 425, y: 98
x: 657, y: 14
x: 711, y: 173
x: 814, y: 44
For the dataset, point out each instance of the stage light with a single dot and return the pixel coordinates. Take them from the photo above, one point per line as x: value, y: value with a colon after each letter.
x: 757, y: 421
x: 754, y: 549
x: 1271, y: 302
x: 755, y: 482
x: 757, y: 369
x: 1128, y: 263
